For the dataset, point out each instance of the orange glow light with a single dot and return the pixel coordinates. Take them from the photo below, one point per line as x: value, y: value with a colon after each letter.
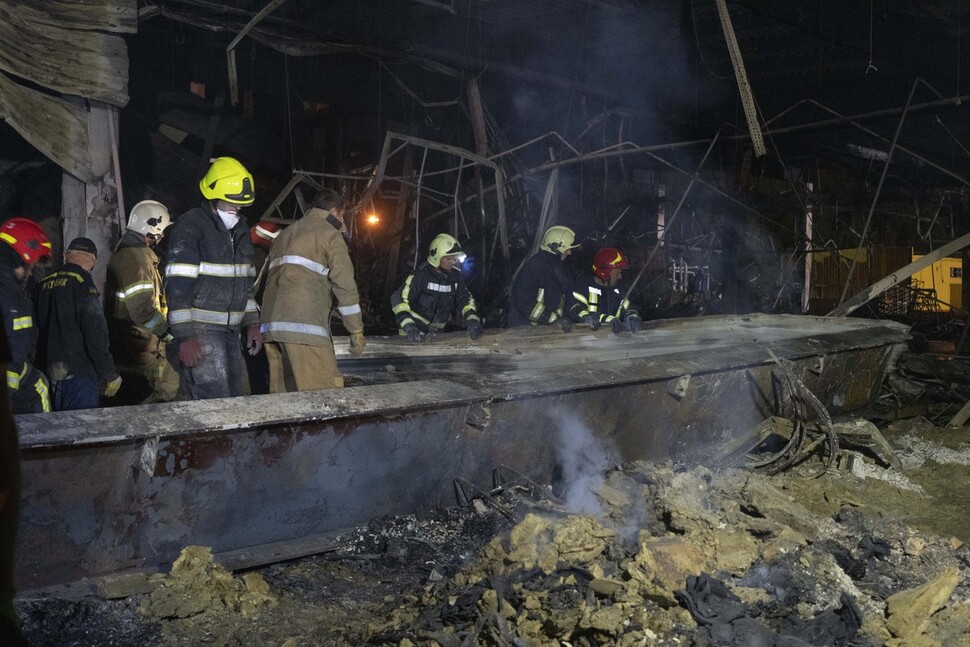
x: 373, y: 219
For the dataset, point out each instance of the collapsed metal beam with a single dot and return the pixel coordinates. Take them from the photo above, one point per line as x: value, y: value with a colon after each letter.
x: 744, y: 87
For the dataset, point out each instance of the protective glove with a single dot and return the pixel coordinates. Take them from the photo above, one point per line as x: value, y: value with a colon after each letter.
x: 475, y: 330
x: 111, y: 388
x: 618, y: 326
x: 592, y: 321
x: 357, y: 343
x: 254, y: 338
x: 412, y: 331
x: 633, y: 323
x: 190, y: 351
x: 566, y: 324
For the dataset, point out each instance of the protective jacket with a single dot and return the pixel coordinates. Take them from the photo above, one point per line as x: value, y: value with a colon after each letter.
x: 540, y: 290
x: 308, y: 262
x: 209, y: 274
x: 18, y: 325
x: 604, y: 302
x: 73, y: 335
x: 134, y: 296
x: 430, y: 298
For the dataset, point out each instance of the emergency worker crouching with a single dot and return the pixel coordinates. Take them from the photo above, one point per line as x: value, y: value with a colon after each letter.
x: 541, y: 287
x: 24, y: 245
x: 136, y: 306
x: 308, y: 266
x: 436, y: 293
x: 209, y: 284
x: 599, y: 299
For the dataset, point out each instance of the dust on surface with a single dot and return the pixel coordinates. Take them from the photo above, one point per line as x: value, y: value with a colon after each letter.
x: 868, y: 557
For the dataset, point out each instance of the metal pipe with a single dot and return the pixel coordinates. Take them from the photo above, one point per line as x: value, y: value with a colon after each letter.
x: 875, y: 197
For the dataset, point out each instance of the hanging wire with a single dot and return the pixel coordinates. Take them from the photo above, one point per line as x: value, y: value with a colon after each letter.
x: 871, y: 66
x: 700, y: 53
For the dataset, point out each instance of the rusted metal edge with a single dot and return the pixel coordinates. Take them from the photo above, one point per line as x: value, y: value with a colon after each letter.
x: 108, y: 426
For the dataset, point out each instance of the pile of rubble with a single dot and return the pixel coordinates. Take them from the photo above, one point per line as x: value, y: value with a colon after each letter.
x: 663, y: 554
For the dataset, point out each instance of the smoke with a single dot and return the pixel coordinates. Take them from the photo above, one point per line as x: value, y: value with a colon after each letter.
x: 583, y: 458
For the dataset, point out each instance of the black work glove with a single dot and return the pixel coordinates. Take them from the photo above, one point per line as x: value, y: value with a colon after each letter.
x: 412, y: 331
x: 566, y: 324
x: 633, y: 323
x: 475, y: 330
x: 617, y: 326
x: 592, y: 321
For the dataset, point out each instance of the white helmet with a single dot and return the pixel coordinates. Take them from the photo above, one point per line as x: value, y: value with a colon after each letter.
x: 149, y: 217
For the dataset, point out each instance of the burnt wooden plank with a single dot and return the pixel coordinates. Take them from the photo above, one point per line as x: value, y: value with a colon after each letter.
x: 81, y: 62
x: 54, y: 126
x: 117, y: 16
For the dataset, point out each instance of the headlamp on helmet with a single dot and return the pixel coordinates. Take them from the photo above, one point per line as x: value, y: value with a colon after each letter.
x: 444, y: 245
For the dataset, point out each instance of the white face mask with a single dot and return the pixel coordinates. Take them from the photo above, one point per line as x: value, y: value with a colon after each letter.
x: 229, y: 218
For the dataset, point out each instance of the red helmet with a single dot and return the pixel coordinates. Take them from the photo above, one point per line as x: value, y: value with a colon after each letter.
x: 608, y: 258
x: 264, y: 233
x: 27, y: 239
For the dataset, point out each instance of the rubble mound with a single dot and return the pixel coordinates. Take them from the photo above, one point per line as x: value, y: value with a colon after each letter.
x: 196, y: 584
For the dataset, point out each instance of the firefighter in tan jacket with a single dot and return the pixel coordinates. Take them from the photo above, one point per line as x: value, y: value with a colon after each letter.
x: 135, y: 304
x: 307, y: 264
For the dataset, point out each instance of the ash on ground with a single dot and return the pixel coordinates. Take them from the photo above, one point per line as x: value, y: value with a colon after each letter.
x: 681, y: 555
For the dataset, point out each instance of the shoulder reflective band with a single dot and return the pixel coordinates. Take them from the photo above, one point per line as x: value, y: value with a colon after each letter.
x: 313, y: 266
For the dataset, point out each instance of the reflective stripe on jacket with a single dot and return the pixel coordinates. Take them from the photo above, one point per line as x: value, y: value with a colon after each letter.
x: 605, y: 302
x: 430, y: 299
x: 209, y: 275
x: 307, y: 268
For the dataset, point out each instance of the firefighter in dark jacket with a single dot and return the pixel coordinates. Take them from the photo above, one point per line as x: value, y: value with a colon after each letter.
x: 542, y: 286
x: 25, y: 245
x: 599, y: 299
x: 209, y: 284
x: 436, y: 293
x: 137, y: 309
x: 72, y: 345
x: 9, y: 513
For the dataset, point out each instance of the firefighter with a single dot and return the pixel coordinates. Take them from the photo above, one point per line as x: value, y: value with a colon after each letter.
x: 209, y: 284
x: 542, y: 285
x: 135, y: 303
x: 72, y: 344
x: 308, y: 266
x: 436, y: 293
x: 598, y: 299
x: 25, y: 245
x: 9, y: 512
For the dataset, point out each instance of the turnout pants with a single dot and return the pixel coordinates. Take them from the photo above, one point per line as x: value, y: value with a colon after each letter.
x: 149, y: 375
x: 302, y: 367
x: 219, y: 373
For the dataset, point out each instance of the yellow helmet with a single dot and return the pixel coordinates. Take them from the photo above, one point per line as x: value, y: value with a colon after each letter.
x: 558, y: 239
x: 444, y: 245
x: 228, y: 180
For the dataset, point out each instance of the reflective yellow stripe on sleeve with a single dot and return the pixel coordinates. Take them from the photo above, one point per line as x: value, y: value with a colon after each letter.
x: 539, y: 307
x: 20, y: 323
